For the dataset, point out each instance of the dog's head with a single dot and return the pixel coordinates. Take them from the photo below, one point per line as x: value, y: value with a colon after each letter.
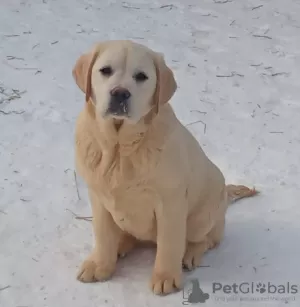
x: 124, y: 80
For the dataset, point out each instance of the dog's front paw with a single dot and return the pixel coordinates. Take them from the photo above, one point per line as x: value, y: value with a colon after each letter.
x: 165, y: 283
x: 92, y: 271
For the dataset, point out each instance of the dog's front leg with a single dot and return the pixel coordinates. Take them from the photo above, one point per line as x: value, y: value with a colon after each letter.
x: 171, y: 238
x: 100, y: 265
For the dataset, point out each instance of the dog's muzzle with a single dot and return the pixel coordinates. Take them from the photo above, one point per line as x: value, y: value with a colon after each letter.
x: 119, y: 102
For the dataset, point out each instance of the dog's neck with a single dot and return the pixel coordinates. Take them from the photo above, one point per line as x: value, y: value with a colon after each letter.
x: 117, y: 135
x: 132, y: 142
x: 128, y: 137
x: 125, y: 139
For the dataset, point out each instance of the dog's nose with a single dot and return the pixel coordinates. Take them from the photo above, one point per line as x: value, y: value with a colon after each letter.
x: 119, y: 101
x: 120, y: 94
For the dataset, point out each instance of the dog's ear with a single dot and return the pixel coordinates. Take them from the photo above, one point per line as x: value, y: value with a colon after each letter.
x: 165, y: 83
x: 82, y: 71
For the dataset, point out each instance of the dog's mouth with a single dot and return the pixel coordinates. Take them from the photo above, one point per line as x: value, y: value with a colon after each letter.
x: 120, y: 109
x: 120, y: 113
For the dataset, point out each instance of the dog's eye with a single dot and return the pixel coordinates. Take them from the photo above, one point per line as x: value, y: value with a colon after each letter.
x: 106, y: 71
x: 140, y: 77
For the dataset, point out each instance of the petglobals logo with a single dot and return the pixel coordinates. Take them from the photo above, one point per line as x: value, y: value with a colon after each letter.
x: 254, y: 288
x: 194, y: 293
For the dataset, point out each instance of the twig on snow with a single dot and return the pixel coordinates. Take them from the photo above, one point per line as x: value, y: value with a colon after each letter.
x: 55, y: 42
x: 276, y: 74
x: 256, y: 65
x: 75, y: 178
x: 201, y: 112
x: 11, y: 57
x: 207, y: 101
x: 35, y: 46
x: 262, y: 36
x: 170, y: 6
x: 130, y: 7
x: 16, y: 94
x: 225, y: 76
x: 12, y: 35
x: 222, y: 1
x: 11, y: 112
x: 279, y: 74
x: 23, y: 68
x: 84, y: 218
x: 196, y: 122
x: 4, y: 288
x: 276, y: 132
x: 257, y: 7
x: 233, y: 73
x: 137, y: 37
x: 237, y: 74
x: 3, y: 212
x: 77, y: 217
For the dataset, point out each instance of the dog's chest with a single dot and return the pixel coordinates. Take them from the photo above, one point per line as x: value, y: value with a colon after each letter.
x: 131, y: 199
x: 133, y: 209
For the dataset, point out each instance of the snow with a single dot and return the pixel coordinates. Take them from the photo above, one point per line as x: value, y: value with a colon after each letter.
x: 237, y: 65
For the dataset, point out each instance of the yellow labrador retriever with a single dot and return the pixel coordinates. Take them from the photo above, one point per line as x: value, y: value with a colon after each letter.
x: 147, y: 176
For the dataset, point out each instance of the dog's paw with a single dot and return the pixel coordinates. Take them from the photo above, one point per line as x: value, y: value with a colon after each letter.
x: 193, y: 255
x: 165, y: 283
x: 93, y: 271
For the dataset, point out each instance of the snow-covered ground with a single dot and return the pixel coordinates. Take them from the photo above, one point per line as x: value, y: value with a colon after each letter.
x: 237, y: 64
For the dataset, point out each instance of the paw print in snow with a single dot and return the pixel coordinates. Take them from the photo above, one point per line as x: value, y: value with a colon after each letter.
x: 261, y: 288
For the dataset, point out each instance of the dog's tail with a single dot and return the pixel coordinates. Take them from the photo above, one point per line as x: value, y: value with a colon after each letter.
x: 236, y: 192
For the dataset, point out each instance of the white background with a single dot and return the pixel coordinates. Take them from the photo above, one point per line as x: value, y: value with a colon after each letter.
x: 250, y: 129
